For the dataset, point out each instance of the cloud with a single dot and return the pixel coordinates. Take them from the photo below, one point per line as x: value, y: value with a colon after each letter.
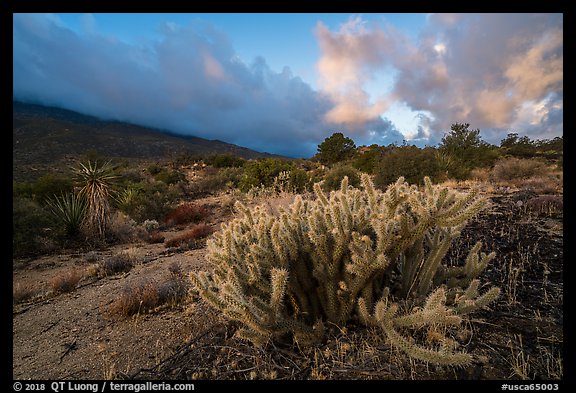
x: 498, y: 72
x: 490, y: 70
x: 189, y: 81
x: 490, y: 67
x: 349, y: 58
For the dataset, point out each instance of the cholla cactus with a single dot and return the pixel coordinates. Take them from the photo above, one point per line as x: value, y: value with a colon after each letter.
x: 350, y: 255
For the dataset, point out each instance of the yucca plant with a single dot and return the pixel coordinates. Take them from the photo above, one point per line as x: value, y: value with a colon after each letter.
x: 96, y: 180
x: 126, y: 197
x: 70, y: 210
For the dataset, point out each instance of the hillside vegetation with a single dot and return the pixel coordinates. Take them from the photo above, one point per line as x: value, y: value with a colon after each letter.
x: 370, y: 262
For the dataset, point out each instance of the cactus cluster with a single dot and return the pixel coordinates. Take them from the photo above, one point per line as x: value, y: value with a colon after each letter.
x: 354, y: 255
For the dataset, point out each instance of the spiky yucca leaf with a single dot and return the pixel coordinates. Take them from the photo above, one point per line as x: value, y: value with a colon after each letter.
x: 96, y: 180
x: 70, y: 209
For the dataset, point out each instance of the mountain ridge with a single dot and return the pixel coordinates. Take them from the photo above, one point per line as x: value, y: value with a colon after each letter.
x: 45, y: 134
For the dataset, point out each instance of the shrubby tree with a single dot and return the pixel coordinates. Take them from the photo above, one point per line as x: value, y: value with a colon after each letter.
x: 262, y: 172
x: 410, y: 162
x: 466, y: 150
x: 335, y: 148
x: 367, y: 158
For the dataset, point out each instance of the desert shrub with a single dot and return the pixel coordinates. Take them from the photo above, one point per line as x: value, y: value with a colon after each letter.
x: 154, y: 169
x: 44, y: 187
x: 24, y: 292
x: 516, y: 168
x: 367, y: 158
x: 410, y: 162
x: 334, y: 176
x: 192, y: 237
x: 119, y: 263
x: 154, y: 237
x: 548, y: 184
x: 152, y: 201
x: 148, y: 296
x: 287, y: 182
x: 352, y: 256
x: 299, y: 180
x: 217, y: 180
x: 481, y: 174
x: 151, y: 225
x: 30, y: 224
x: 225, y: 161
x: 135, y: 299
x: 131, y: 175
x: 187, y: 213
x: 65, y: 281
x: 262, y: 173
x: 173, y: 291
x: 91, y: 257
x: 168, y: 176
x: 122, y: 228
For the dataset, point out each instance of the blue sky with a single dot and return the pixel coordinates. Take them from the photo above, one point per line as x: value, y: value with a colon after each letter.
x: 283, y: 82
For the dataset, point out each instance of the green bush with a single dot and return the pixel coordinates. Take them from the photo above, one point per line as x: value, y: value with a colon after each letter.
x: 170, y: 176
x: 215, y: 180
x: 299, y: 180
x: 44, y: 187
x: 367, y: 158
x: 262, y: 172
x: 225, y: 161
x: 149, y: 201
x: 410, y: 162
x: 30, y: 225
x: 334, y: 176
x: 466, y: 150
x: 154, y: 169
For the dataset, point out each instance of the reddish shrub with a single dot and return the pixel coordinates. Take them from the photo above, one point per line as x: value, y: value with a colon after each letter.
x: 135, y: 299
x: 65, y: 281
x: 186, y: 213
x: 190, y: 237
x: 155, y: 237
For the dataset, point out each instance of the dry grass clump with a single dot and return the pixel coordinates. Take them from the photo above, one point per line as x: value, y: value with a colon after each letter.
x: 548, y: 184
x: 192, y: 238
x: 154, y: 237
x: 65, y: 281
x: 120, y: 263
x: 149, y: 296
x: 548, y: 205
x: 24, y: 292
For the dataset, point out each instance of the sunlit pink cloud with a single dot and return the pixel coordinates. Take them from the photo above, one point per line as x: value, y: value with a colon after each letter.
x: 483, y: 69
